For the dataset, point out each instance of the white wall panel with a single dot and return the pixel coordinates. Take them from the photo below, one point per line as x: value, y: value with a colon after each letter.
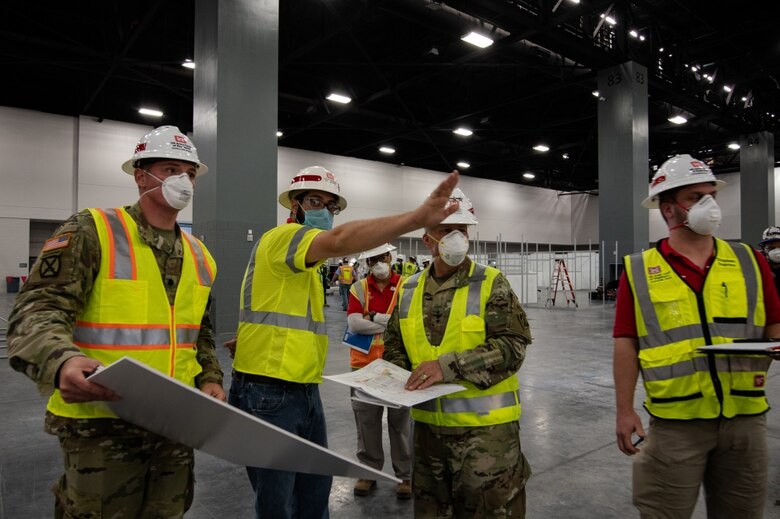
x: 585, y: 219
x: 36, y: 170
x: 15, y: 235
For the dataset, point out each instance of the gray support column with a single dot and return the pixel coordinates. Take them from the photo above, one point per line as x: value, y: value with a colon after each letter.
x: 623, y: 167
x: 235, y: 121
x: 756, y: 185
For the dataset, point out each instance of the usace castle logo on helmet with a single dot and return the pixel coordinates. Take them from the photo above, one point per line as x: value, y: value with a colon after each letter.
x: 180, y: 138
x: 140, y: 147
x: 330, y: 176
x: 698, y: 167
x: 658, y: 180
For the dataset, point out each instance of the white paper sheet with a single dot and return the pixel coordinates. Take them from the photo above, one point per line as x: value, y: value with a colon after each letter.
x: 746, y: 348
x: 385, y: 381
x: 169, y: 408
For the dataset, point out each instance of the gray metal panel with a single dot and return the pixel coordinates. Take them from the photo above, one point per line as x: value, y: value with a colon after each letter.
x: 235, y: 122
x: 757, y: 185
x: 624, y: 172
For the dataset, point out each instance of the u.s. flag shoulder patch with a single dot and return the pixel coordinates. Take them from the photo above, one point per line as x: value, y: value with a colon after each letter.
x: 58, y: 242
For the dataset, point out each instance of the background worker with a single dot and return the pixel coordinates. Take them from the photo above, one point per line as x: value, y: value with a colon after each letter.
x: 770, y: 246
x: 112, y: 283
x: 371, y: 301
x: 707, y: 411
x: 282, y: 342
x: 461, y: 322
x: 410, y: 267
x: 398, y: 266
x: 345, y: 275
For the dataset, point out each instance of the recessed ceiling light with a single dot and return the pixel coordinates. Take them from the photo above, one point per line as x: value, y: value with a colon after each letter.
x: 727, y: 88
x: 733, y: 146
x: 661, y: 49
x: 387, y: 149
x: 744, y: 99
x: 565, y: 156
x: 462, y: 131
x: 574, y: 1
x: 678, y: 119
x: 633, y: 33
x: 595, y: 93
x: 188, y: 63
x: 542, y: 147
x: 529, y: 175
x: 641, y: 38
x: 151, y: 112
x: 464, y: 165
x: 610, y: 20
x: 279, y: 133
x: 477, y: 40
x: 339, y: 98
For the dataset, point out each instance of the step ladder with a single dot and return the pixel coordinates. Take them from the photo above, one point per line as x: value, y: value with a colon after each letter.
x: 560, y: 277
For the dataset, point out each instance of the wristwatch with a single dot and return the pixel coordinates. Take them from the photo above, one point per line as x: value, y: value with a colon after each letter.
x: 371, y: 316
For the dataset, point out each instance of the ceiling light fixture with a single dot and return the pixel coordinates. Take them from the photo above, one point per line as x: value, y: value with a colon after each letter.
x: 188, y: 63
x: 565, y: 156
x: 529, y: 175
x: 727, y: 88
x: 387, y: 149
x: 464, y: 165
x: 641, y: 38
x: 462, y: 131
x: 633, y: 33
x: 542, y: 147
x: 339, y: 98
x: 477, y: 40
x: 595, y: 93
x: 610, y: 20
x: 660, y: 49
x: 279, y: 133
x: 678, y: 119
x: 150, y: 112
x: 733, y: 146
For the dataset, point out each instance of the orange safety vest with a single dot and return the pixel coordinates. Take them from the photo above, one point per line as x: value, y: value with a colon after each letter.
x: 358, y: 359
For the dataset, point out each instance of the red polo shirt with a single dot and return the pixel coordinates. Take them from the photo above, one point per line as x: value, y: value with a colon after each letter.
x: 378, y: 300
x: 625, y: 320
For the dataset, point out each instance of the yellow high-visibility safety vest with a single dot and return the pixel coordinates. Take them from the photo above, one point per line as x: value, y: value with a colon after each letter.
x: 128, y: 313
x: 472, y: 407
x: 672, y: 321
x: 345, y: 275
x: 281, y: 329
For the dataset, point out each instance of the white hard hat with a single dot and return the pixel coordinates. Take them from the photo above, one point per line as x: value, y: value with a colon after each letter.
x: 679, y: 171
x: 165, y: 142
x: 465, y: 213
x: 313, y: 178
x: 376, y: 251
x: 399, y: 257
x: 769, y: 235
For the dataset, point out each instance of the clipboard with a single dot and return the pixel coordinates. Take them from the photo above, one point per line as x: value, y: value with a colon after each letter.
x: 754, y: 347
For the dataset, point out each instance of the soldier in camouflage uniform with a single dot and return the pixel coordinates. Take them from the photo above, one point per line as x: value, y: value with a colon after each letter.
x: 460, y: 322
x: 114, y: 468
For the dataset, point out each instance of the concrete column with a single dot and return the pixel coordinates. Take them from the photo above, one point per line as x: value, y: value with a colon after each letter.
x: 623, y: 162
x: 235, y: 122
x: 756, y: 185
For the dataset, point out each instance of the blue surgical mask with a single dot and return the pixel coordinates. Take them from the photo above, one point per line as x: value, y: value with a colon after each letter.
x: 319, y: 219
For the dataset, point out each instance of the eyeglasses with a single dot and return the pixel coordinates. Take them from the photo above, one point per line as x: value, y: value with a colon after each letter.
x: 319, y: 203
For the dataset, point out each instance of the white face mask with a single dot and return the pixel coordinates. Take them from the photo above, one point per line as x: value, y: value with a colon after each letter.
x: 773, y: 256
x: 704, y: 216
x: 381, y: 270
x: 453, y: 248
x: 176, y: 190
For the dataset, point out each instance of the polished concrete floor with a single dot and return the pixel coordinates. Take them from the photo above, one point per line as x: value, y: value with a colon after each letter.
x: 567, y: 432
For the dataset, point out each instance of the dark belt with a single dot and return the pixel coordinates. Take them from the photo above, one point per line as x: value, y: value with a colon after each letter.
x: 262, y: 379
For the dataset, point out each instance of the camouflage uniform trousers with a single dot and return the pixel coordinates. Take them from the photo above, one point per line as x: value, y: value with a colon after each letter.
x: 479, y: 472
x: 138, y: 474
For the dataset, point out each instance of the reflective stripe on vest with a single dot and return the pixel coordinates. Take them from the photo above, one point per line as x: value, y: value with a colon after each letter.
x: 478, y: 405
x: 204, y: 272
x: 672, y: 321
x: 472, y: 300
x: 94, y: 336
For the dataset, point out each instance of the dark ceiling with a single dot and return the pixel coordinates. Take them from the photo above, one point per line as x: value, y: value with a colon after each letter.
x: 412, y: 80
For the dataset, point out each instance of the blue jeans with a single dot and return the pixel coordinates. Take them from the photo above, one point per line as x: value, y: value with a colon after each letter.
x: 344, y: 292
x: 296, y: 408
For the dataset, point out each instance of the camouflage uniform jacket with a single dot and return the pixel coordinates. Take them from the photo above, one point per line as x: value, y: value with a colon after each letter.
x: 40, y: 328
x: 499, y: 357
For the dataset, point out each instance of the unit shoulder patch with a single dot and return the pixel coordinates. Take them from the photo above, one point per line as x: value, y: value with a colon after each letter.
x: 50, y: 266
